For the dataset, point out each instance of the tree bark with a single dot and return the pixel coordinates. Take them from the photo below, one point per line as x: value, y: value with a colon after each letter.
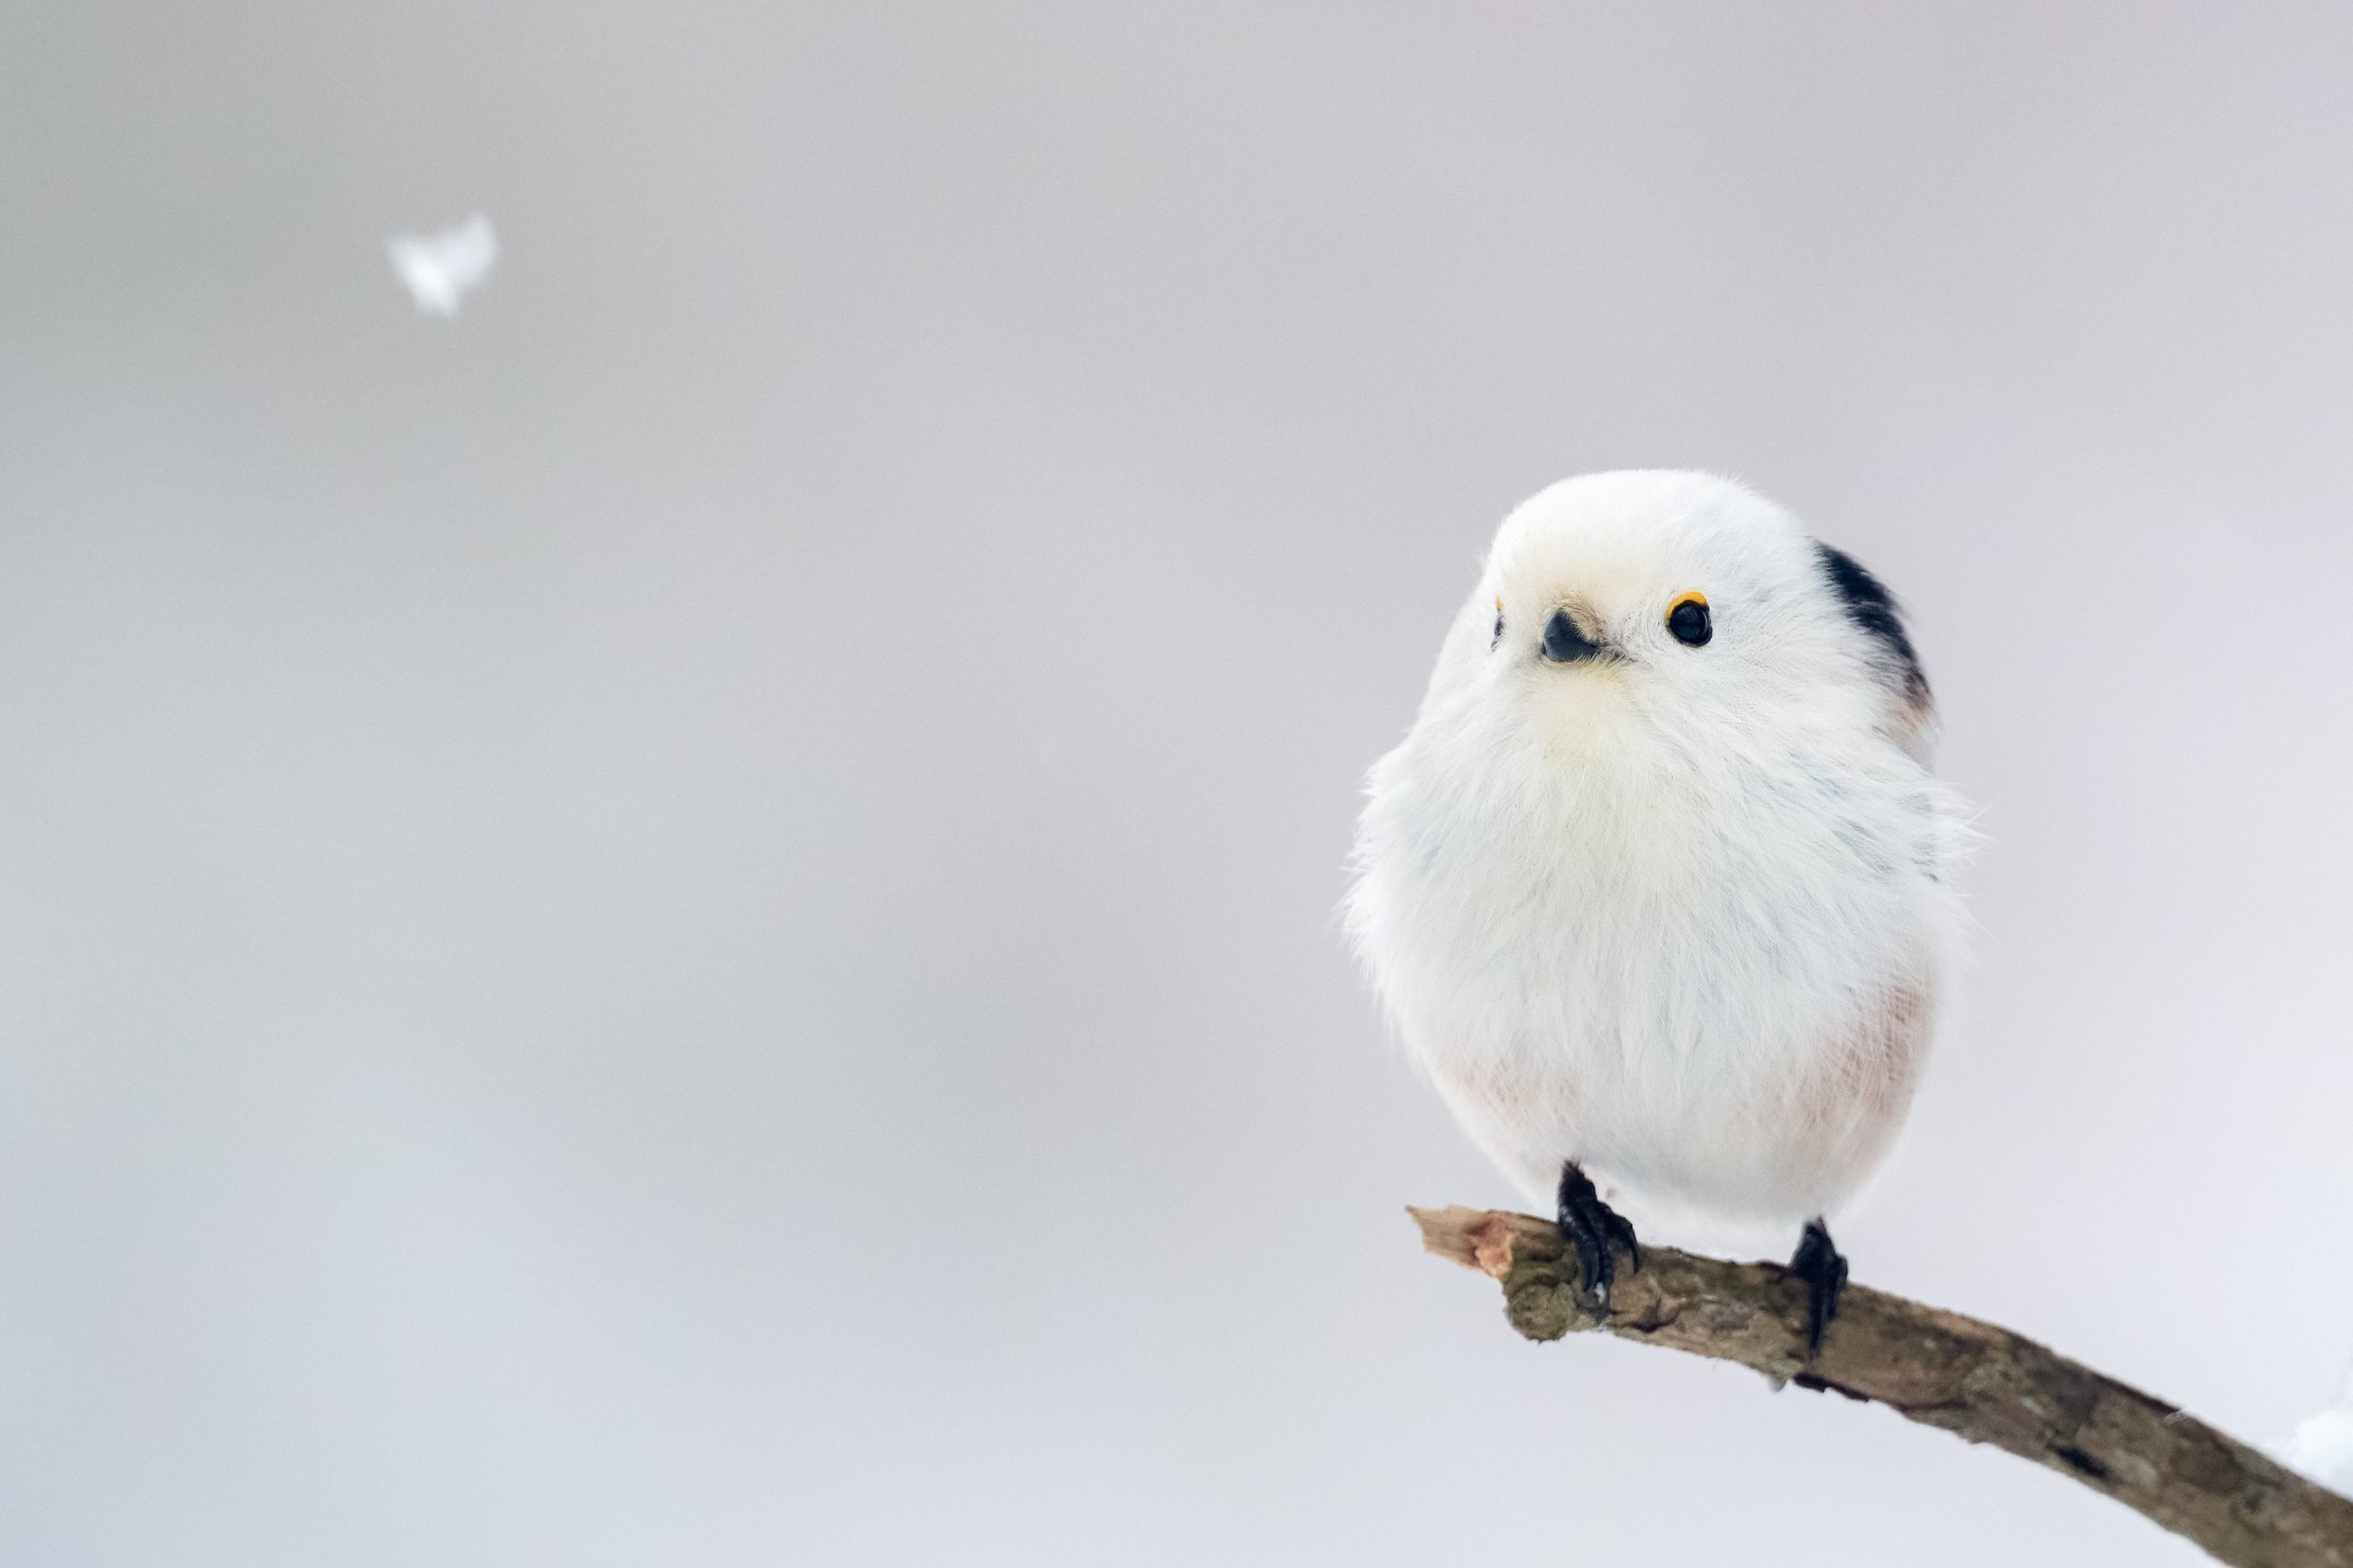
x: 1975, y: 1380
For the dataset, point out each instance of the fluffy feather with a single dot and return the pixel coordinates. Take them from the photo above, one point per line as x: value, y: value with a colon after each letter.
x: 1683, y: 914
x: 441, y: 269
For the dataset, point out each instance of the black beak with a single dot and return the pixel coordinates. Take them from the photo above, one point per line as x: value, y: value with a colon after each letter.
x: 1564, y: 644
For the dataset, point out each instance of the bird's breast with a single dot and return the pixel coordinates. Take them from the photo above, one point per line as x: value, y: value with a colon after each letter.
x: 1638, y: 926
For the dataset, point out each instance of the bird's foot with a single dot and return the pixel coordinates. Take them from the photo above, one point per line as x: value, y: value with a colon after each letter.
x: 1593, y: 1227
x: 1819, y: 1263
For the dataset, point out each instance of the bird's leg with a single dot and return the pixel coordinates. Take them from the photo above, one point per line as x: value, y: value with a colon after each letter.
x: 1591, y: 1227
x: 1824, y: 1269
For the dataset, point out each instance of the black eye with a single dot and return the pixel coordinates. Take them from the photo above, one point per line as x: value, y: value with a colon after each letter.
x: 1687, y: 619
x: 1500, y: 628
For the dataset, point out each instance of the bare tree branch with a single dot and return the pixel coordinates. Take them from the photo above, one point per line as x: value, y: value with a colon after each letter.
x: 1973, y: 1378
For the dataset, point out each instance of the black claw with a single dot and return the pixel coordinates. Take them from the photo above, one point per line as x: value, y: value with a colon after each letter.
x: 1592, y: 1227
x: 1622, y: 1229
x: 1820, y: 1265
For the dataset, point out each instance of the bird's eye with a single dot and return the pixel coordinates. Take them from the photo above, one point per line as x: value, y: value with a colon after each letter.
x: 1499, y: 627
x: 1687, y: 617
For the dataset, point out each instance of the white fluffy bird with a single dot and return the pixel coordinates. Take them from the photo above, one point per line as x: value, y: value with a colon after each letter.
x: 1659, y: 887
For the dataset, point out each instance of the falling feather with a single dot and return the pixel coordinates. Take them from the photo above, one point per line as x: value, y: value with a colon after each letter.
x: 441, y: 269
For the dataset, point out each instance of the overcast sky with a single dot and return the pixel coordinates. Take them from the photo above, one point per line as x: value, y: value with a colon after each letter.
x: 688, y: 919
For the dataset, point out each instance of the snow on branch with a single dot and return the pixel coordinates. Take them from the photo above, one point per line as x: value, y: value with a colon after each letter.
x: 2323, y: 1447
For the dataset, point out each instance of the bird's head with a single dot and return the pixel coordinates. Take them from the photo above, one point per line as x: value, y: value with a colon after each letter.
x: 1652, y: 604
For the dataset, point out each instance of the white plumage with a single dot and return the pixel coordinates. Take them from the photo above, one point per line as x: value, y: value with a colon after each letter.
x: 1682, y: 914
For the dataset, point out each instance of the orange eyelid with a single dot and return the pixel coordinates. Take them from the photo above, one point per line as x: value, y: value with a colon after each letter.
x: 1694, y: 597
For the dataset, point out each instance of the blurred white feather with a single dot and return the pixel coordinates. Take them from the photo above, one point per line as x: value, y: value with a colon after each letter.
x: 441, y: 269
x: 2321, y: 1448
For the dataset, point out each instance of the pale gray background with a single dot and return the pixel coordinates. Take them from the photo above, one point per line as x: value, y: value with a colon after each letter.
x: 688, y: 920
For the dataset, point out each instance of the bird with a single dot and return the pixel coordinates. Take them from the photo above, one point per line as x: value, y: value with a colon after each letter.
x: 1659, y: 887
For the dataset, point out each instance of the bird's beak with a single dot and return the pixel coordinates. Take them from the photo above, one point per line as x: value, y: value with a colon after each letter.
x: 1564, y: 644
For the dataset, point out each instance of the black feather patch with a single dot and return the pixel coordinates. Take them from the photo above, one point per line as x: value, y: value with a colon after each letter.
x: 1872, y: 608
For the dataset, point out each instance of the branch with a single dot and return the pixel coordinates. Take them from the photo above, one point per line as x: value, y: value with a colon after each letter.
x: 1973, y: 1378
